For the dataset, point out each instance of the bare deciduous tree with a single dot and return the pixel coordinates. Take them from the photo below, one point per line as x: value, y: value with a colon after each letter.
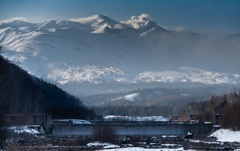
x: 104, y: 133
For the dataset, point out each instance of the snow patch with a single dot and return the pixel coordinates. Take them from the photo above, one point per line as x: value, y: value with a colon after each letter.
x: 111, y: 146
x: 205, y: 142
x: 226, y: 135
x: 145, y: 149
x: 102, y: 144
x: 23, y: 129
x: 129, y: 97
x: 73, y: 121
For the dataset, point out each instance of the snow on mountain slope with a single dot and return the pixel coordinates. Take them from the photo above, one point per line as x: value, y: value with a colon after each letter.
x: 142, y: 22
x: 188, y: 74
x: 98, y: 49
x: 129, y: 97
x: 86, y: 73
x: 99, y: 23
x: 15, y: 23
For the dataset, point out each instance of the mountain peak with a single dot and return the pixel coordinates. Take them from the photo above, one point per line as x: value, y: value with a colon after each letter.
x: 16, y: 19
x: 15, y: 22
x: 102, y: 16
x: 145, y: 17
x: 100, y: 23
x: 91, y: 19
x: 60, y: 50
x: 143, y: 21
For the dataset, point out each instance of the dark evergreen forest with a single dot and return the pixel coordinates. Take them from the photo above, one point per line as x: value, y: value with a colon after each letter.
x: 21, y: 93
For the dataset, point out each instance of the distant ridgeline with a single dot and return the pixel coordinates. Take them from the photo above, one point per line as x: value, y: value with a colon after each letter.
x: 21, y: 93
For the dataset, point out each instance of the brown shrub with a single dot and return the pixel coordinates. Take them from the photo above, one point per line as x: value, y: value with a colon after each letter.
x: 104, y: 133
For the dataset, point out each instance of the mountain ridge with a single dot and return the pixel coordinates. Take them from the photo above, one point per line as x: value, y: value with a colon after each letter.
x: 96, y: 49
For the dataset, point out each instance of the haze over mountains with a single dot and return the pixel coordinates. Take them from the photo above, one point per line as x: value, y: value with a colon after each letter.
x: 81, y: 54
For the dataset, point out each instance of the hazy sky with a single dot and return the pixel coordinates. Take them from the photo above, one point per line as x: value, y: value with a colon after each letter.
x: 211, y: 17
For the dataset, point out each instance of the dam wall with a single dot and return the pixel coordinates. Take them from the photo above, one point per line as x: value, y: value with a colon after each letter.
x: 133, y: 129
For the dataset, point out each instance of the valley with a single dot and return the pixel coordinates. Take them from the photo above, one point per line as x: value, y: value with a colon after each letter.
x: 79, y: 79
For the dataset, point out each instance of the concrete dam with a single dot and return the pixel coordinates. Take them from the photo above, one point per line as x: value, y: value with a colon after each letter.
x: 133, y: 129
x: 68, y: 127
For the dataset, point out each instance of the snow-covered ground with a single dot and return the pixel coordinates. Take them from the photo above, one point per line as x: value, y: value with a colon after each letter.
x: 112, y: 147
x: 73, y: 121
x: 145, y: 149
x: 102, y: 144
x: 226, y: 135
x: 30, y: 129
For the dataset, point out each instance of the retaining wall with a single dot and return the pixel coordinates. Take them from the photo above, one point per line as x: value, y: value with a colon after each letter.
x: 131, y: 129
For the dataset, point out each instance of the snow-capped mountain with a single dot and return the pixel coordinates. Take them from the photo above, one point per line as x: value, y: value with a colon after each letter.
x: 97, y: 49
x: 188, y: 74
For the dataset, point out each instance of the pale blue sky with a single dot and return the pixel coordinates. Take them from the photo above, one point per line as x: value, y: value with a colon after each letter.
x: 211, y: 17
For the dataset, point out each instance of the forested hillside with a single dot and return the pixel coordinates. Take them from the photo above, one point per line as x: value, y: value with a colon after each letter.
x: 21, y: 93
x: 228, y: 106
x: 231, y: 111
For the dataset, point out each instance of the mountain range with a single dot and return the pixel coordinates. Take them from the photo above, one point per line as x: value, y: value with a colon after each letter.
x: 89, y: 55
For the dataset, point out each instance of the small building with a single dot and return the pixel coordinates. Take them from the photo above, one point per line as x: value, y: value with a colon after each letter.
x: 28, y: 119
x: 192, y: 119
x: 195, y: 118
x: 25, y: 119
x: 178, y: 119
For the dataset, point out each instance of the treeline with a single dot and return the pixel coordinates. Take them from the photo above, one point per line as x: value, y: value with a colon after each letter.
x: 227, y: 105
x: 163, y: 96
x: 134, y: 110
x: 154, y: 110
x: 21, y: 93
x: 231, y: 112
